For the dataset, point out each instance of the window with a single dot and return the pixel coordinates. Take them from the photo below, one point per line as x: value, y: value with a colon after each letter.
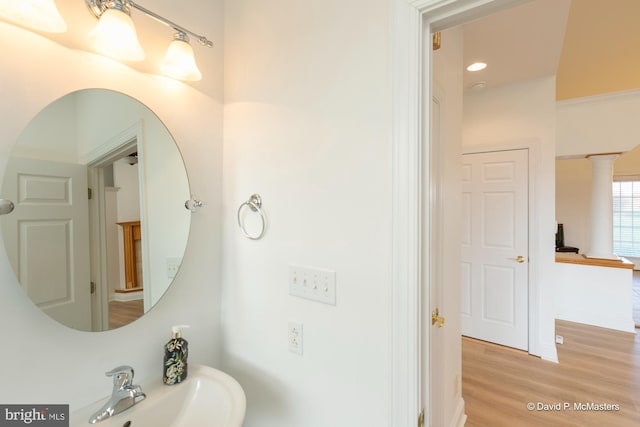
x: 626, y: 218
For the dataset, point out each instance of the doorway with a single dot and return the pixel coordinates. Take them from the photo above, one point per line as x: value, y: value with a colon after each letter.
x: 117, y: 247
x: 412, y: 72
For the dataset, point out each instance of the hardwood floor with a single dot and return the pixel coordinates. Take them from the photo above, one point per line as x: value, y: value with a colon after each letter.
x: 597, y: 366
x: 123, y: 313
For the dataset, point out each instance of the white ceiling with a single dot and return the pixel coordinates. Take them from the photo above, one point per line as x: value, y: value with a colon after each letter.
x: 518, y: 44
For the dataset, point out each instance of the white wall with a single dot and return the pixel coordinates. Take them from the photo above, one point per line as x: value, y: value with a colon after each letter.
x: 125, y: 177
x: 508, y: 116
x: 51, y: 135
x: 573, y: 201
x: 595, y: 295
x: 592, y: 124
x: 307, y: 125
x: 45, y: 349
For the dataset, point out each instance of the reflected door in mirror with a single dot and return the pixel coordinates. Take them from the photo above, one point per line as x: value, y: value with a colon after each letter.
x: 47, y: 236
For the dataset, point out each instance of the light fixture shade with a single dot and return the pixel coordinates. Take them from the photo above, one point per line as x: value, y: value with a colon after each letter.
x: 180, y: 63
x: 115, y: 36
x: 39, y: 15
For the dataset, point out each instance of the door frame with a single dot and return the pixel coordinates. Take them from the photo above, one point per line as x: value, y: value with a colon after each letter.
x: 113, y: 149
x: 410, y: 86
x: 531, y: 145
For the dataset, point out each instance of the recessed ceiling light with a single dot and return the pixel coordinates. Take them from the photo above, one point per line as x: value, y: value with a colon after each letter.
x: 477, y: 66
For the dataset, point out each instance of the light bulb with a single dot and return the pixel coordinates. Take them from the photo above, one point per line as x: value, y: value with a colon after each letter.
x: 115, y: 36
x: 180, y: 63
x: 477, y: 66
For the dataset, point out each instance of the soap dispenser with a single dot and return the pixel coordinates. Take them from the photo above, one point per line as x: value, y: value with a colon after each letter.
x: 176, y: 352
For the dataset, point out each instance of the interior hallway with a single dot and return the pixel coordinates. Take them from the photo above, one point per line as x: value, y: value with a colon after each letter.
x: 597, y: 365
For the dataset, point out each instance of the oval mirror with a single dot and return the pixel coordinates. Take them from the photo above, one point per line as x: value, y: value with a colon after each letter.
x: 99, y: 226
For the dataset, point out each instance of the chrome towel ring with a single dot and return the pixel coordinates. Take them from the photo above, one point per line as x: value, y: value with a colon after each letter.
x: 255, y: 204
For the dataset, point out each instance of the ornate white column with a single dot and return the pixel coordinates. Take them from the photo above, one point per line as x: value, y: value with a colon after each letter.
x: 602, y: 206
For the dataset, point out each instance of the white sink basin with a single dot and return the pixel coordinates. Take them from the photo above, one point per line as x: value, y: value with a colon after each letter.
x: 208, y: 397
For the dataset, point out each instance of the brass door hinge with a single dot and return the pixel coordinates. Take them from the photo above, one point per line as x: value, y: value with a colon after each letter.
x: 437, y: 40
x: 421, y: 419
x: 89, y: 193
x: 92, y: 286
x: 436, y: 319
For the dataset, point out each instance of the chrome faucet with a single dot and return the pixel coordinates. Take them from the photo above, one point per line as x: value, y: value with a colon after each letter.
x: 124, y: 394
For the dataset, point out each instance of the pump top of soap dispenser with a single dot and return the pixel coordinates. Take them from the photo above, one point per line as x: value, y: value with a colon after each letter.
x: 176, y: 331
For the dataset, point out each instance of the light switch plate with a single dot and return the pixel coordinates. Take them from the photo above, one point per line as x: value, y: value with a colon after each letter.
x: 313, y: 283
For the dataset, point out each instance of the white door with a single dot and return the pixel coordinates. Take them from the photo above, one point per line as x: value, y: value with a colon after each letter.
x: 440, y: 212
x: 495, y: 247
x: 432, y: 380
x: 47, y: 236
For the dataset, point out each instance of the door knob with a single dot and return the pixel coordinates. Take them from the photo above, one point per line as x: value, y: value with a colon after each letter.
x: 520, y: 259
x: 6, y: 206
x: 436, y: 319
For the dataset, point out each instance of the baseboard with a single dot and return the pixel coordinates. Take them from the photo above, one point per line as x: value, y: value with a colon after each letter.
x: 548, y: 352
x: 459, y: 417
x: 128, y: 296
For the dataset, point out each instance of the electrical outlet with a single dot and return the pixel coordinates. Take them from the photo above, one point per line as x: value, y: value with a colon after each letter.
x: 559, y: 339
x: 173, y: 264
x: 295, y: 337
x: 313, y: 283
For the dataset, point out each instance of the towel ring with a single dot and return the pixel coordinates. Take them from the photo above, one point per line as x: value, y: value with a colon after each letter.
x: 255, y: 204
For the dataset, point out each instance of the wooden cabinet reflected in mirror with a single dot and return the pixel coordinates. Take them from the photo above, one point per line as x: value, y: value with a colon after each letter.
x: 124, y: 312
x: 132, y: 251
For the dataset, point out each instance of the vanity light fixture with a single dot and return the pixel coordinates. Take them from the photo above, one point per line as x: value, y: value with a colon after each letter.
x: 41, y: 15
x: 179, y: 62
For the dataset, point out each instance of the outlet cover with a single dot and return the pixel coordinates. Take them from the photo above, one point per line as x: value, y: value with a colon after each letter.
x: 173, y: 264
x: 295, y: 337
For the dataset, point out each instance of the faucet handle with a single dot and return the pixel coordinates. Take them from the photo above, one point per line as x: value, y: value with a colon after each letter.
x: 122, y: 376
